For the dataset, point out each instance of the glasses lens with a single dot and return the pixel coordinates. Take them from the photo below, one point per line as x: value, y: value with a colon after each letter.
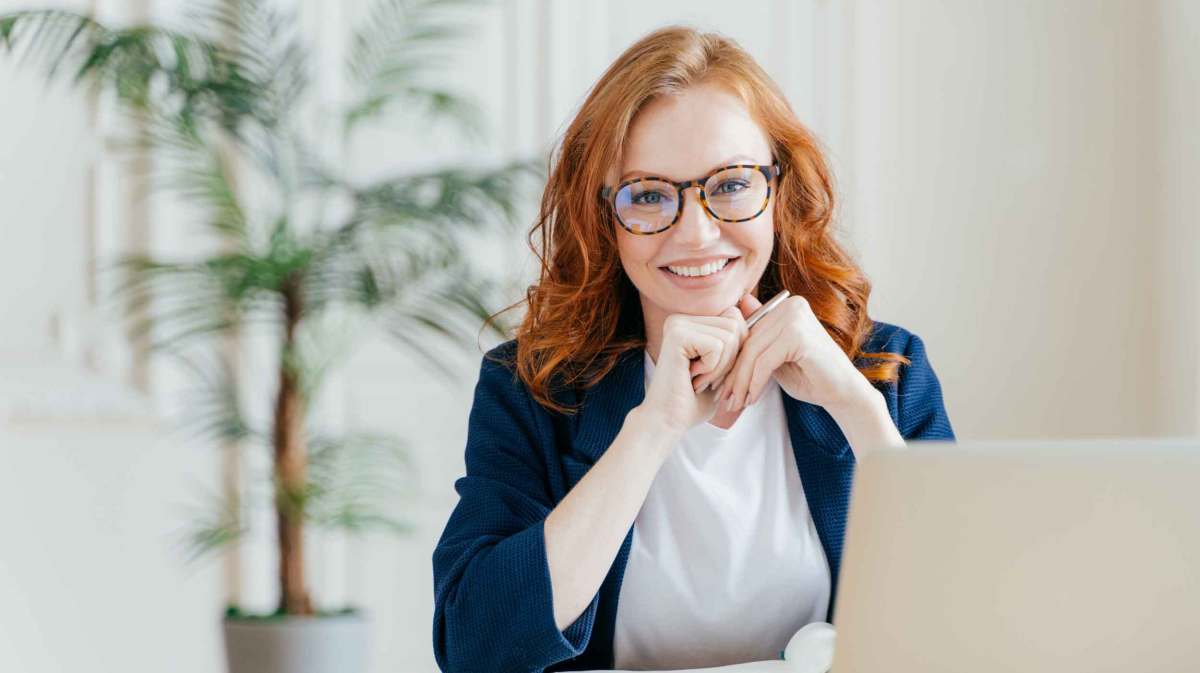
x: 736, y: 193
x: 647, y: 206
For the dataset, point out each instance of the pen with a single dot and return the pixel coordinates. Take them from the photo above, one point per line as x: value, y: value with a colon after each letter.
x: 766, y: 308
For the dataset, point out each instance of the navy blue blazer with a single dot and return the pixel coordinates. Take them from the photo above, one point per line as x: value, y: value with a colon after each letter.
x: 492, y: 594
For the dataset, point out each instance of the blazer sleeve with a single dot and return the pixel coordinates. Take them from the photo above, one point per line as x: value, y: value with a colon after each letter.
x: 492, y: 595
x: 922, y: 414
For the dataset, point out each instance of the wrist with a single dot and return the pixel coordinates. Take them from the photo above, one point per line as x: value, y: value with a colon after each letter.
x: 652, y: 425
x: 864, y: 400
x: 866, y: 422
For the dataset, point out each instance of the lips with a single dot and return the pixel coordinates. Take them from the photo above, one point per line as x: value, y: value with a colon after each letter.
x: 693, y: 264
x: 700, y: 282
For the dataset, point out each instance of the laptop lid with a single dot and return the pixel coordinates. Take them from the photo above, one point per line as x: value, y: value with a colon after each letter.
x: 1023, y: 556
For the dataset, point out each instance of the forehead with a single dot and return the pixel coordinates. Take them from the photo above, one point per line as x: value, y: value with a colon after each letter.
x: 686, y: 135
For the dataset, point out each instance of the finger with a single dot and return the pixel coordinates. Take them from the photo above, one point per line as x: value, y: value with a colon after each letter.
x: 728, y: 356
x: 748, y: 304
x: 766, y: 323
x: 739, y: 320
x: 738, y: 381
x: 703, y: 371
x: 732, y: 336
x: 719, y: 376
x: 764, y: 367
x: 732, y: 341
x: 706, y: 350
x: 722, y: 320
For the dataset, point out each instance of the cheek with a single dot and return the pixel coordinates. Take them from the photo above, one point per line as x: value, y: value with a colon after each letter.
x: 760, y: 240
x: 635, y: 253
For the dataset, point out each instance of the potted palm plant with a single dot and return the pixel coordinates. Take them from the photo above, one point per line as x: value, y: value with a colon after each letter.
x: 219, y: 105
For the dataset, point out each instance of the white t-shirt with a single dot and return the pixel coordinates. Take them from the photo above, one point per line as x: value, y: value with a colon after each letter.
x: 725, y: 565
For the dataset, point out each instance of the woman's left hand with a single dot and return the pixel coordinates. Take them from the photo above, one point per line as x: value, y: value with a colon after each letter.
x: 792, y: 344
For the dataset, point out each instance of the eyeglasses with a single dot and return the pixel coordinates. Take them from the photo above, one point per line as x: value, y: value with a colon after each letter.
x: 651, y: 204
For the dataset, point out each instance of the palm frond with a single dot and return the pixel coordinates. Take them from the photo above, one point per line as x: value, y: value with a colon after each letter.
x: 172, y: 302
x: 448, y: 198
x: 213, y: 403
x: 373, y: 269
x: 214, y: 527
x: 199, y: 170
x: 357, y: 482
x: 393, y: 55
x: 142, y: 64
x: 323, y: 338
x: 450, y: 309
x: 266, y: 44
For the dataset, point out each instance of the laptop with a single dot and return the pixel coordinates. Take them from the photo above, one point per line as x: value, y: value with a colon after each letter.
x: 1055, y: 556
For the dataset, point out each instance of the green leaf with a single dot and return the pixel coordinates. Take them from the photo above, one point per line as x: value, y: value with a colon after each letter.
x: 396, y: 53
x: 358, y: 482
x: 218, y: 524
x: 213, y: 401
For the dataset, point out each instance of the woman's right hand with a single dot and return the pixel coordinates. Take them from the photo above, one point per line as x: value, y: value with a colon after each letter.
x: 682, y: 390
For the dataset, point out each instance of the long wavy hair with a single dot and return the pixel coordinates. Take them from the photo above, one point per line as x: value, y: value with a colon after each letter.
x: 583, y: 311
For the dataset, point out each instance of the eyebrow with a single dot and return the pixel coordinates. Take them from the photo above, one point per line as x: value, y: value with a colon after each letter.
x: 726, y: 162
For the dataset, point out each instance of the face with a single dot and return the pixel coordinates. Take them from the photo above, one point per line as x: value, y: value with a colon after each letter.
x: 681, y: 138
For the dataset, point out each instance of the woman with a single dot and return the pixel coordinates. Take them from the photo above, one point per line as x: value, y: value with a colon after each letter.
x: 648, y: 483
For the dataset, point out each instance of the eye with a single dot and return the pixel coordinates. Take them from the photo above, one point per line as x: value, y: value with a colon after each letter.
x: 649, y: 197
x: 731, y: 187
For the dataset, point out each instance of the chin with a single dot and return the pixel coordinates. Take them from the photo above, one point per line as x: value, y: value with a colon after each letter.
x: 701, y: 302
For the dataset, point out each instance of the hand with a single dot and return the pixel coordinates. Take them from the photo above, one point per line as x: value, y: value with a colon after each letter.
x: 680, y: 394
x: 792, y: 345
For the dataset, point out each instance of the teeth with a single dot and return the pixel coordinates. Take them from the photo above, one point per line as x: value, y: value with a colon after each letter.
x: 710, y: 268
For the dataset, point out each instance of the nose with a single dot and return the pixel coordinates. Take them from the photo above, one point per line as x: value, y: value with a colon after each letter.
x: 695, y: 229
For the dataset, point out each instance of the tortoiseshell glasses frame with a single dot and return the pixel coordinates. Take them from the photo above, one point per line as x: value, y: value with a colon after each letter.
x: 609, y: 194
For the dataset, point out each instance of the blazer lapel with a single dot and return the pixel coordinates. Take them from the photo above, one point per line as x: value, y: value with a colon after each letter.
x: 826, y: 466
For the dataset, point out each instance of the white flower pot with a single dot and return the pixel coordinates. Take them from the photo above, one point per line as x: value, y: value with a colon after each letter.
x: 293, y: 644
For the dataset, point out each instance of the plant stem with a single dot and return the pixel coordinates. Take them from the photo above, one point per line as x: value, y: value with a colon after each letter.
x: 291, y: 464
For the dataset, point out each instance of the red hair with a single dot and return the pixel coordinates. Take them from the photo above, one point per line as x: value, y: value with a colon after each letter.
x: 583, y: 312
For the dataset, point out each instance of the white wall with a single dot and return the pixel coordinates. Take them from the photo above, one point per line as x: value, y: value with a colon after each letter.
x: 1174, y: 201
x: 1019, y: 196
x: 1017, y: 178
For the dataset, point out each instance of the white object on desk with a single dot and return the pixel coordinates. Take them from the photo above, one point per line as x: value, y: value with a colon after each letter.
x: 811, y: 649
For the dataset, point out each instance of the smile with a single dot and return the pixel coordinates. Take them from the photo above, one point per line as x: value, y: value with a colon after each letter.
x: 699, y: 277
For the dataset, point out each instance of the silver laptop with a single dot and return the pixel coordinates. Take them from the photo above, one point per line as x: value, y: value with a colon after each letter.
x: 1023, y: 556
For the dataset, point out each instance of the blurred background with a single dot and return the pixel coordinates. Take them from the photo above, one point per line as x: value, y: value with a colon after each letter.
x: 1018, y: 179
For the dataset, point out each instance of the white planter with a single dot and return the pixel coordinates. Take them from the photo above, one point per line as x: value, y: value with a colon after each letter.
x: 291, y: 644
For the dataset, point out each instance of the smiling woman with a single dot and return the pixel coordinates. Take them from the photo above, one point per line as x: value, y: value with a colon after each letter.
x: 721, y: 260
x: 651, y: 482
x: 660, y: 115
